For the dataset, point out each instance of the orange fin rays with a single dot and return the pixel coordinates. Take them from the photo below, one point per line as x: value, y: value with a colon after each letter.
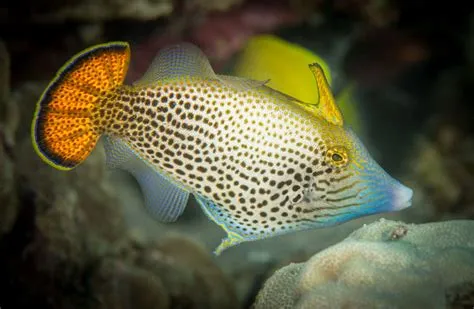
x: 63, y: 130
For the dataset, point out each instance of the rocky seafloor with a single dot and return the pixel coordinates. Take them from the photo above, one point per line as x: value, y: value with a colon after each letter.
x: 82, y: 239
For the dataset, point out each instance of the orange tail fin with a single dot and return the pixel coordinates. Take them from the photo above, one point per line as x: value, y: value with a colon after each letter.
x: 63, y: 130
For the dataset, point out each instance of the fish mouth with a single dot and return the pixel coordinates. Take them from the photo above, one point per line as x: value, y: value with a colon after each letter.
x: 401, y: 197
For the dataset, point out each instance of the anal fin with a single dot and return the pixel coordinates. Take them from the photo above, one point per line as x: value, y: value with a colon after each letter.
x: 163, y: 199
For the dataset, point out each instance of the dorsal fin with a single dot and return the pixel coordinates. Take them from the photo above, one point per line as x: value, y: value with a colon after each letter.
x: 186, y: 60
x: 326, y: 104
x: 178, y: 61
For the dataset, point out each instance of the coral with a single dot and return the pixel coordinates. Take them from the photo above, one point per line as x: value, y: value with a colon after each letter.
x: 213, y: 5
x: 54, y: 11
x: 93, y: 10
x: 386, y: 264
x: 173, y: 273
x: 437, y: 175
x: 120, y: 285
x: 442, y: 163
x: 8, y: 202
x: 279, y: 290
x: 443, y: 167
x: 8, y: 127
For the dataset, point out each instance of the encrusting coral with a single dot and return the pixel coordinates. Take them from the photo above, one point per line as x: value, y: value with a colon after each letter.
x: 386, y: 264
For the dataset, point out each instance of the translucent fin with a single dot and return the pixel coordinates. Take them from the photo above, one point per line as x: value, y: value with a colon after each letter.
x: 63, y: 130
x: 326, y: 103
x: 241, y: 83
x: 163, y: 199
x: 285, y: 97
x: 215, y: 213
x: 178, y: 61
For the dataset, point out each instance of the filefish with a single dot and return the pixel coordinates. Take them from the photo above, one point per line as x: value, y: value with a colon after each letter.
x: 259, y: 162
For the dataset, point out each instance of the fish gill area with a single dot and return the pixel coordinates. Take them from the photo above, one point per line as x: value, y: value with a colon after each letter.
x: 82, y: 239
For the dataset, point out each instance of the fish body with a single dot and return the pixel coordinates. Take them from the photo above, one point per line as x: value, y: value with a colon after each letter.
x: 259, y: 162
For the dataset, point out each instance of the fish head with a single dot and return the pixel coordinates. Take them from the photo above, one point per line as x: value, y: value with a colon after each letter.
x: 349, y: 182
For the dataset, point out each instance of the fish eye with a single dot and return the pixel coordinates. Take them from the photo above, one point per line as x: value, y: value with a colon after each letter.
x: 337, y: 156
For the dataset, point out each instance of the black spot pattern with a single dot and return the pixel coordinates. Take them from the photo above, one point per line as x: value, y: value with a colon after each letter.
x: 253, y: 155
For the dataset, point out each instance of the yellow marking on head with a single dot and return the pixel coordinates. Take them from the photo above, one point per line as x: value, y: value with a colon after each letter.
x: 63, y: 130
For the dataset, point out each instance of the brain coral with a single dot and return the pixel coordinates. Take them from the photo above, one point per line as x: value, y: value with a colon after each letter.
x: 386, y: 264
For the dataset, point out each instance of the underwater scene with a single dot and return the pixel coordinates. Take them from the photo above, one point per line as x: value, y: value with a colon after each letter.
x: 241, y: 154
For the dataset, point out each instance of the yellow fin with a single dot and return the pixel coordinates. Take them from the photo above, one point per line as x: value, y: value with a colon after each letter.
x: 285, y: 64
x: 268, y: 56
x: 63, y: 131
x: 326, y: 104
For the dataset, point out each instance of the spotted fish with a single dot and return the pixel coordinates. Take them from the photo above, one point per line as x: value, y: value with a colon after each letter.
x: 259, y: 162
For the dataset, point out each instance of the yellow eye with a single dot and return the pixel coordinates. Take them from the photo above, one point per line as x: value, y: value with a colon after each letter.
x: 337, y: 156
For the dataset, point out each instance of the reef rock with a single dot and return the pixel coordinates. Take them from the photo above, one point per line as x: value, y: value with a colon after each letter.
x: 8, y: 125
x: 173, y: 273
x: 53, y: 11
x: 386, y: 264
x: 97, y: 10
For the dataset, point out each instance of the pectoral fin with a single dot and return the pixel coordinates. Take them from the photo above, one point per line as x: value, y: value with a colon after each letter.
x: 163, y: 199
